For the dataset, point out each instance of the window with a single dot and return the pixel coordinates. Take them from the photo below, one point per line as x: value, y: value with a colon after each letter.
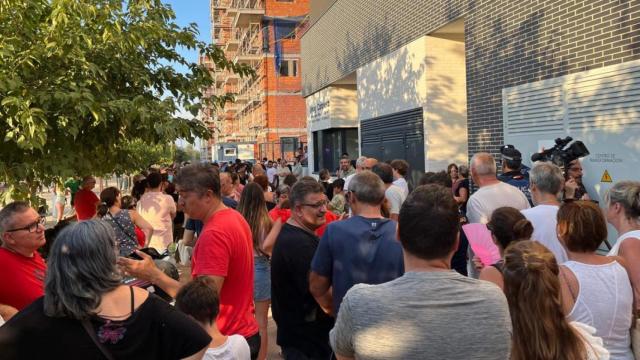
x: 330, y: 144
x: 229, y: 152
x: 291, y: 35
x: 288, y: 146
x: 289, y: 68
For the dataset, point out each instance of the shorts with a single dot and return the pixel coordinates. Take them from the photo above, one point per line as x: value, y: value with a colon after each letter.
x: 261, y: 279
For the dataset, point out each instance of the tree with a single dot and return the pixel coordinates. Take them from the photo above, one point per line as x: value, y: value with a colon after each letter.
x: 187, y: 153
x: 85, y: 84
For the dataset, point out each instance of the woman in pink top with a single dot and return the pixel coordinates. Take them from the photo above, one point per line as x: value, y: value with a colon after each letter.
x: 158, y: 209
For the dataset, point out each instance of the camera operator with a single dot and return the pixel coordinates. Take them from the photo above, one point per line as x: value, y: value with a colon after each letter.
x: 573, y: 186
x: 513, y: 172
x: 568, y: 158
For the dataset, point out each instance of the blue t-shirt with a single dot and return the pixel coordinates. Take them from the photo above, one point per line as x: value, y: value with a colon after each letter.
x: 194, y: 225
x: 197, y: 225
x: 358, y: 250
x: 229, y: 202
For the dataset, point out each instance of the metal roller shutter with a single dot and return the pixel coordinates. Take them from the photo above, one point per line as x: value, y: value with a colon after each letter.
x: 396, y: 136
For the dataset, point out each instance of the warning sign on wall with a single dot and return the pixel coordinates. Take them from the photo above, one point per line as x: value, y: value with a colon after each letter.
x: 606, y: 177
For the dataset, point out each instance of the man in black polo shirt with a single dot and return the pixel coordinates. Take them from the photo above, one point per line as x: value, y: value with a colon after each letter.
x: 303, y: 326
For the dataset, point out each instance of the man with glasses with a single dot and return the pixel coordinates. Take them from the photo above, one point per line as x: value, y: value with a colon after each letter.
x: 303, y: 326
x: 22, y: 270
x: 223, y: 252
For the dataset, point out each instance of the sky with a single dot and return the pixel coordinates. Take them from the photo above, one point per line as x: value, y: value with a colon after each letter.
x: 192, y: 11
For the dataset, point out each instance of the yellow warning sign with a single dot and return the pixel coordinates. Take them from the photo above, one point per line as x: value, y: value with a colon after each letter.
x: 606, y: 177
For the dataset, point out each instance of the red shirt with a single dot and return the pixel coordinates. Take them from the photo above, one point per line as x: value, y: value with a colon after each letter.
x: 329, y: 217
x: 283, y: 214
x: 86, y: 203
x: 225, y: 248
x: 22, y: 278
x: 140, y: 236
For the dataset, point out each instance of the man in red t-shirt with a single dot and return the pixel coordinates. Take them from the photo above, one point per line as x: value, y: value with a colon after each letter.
x: 22, y: 269
x: 86, y: 201
x: 224, y: 252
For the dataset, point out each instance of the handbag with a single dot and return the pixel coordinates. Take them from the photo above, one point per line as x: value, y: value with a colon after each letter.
x: 92, y: 334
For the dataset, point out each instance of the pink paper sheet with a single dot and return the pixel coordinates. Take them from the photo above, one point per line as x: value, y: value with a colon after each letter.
x: 481, y: 243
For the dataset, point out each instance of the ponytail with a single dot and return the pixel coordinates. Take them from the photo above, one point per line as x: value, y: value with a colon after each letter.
x: 108, y: 198
x: 103, y: 209
x: 507, y: 225
x: 532, y: 289
x: 522, y: 230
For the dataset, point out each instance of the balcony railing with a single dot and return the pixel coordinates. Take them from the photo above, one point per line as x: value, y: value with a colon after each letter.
x: 243, y: 12
x: 246, y: 4
x: 220, y: 4
x: 251, y: 40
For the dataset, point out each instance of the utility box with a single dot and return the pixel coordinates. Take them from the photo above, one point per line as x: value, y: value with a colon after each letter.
x: 231, y: 151
x: 599, y: 107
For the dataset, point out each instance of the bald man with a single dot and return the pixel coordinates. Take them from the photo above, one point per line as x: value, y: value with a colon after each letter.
x: 492, y: 193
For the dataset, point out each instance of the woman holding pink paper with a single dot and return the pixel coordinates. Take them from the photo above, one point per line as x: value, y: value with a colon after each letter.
x: 507, y: 225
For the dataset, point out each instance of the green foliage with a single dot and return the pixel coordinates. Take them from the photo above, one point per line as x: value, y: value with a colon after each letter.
x: 86, y: 87
x: 187, y: 153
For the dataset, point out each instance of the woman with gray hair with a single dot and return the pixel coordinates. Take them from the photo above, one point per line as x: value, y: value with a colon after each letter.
x: 623, y: 213
x: 87, y: 313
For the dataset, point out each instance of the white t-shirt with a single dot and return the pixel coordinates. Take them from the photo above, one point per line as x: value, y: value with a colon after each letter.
x: 488, y: 198
x: 1, y: 321
x: 235, y: 348
x: 271, y: 173
x: 402, y: 184
x: 395, y: 196
x: 543, y: 219
x: 347, y: 180
x: 282, y: 172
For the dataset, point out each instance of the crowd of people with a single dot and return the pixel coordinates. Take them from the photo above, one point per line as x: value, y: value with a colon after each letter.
x: 365, y: 264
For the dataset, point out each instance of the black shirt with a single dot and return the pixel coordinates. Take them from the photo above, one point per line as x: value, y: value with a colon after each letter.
x: 301, y: 322
x: 155, y: 331
x: 462, y: 184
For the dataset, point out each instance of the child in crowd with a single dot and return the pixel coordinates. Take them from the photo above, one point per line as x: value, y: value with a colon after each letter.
x: 338, y: 201
x: 199, y: 300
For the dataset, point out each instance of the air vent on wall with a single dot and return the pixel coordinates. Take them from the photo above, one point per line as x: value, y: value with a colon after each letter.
x: 533, y: 109
x: 608, y: 97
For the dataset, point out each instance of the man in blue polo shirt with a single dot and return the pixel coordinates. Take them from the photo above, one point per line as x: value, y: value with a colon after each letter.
x: 361, y: 249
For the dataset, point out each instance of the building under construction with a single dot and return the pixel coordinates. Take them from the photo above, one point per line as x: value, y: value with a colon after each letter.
x: 268, y: 109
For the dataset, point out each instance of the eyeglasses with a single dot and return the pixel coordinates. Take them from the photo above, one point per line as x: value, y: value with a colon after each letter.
x: 317, y: 205
x: 33, y: 227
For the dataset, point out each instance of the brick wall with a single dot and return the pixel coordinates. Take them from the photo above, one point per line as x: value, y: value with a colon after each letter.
x: 507, y: 43
x: 286, y: 111
x: 287, y: 8
x: 283, y: 111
